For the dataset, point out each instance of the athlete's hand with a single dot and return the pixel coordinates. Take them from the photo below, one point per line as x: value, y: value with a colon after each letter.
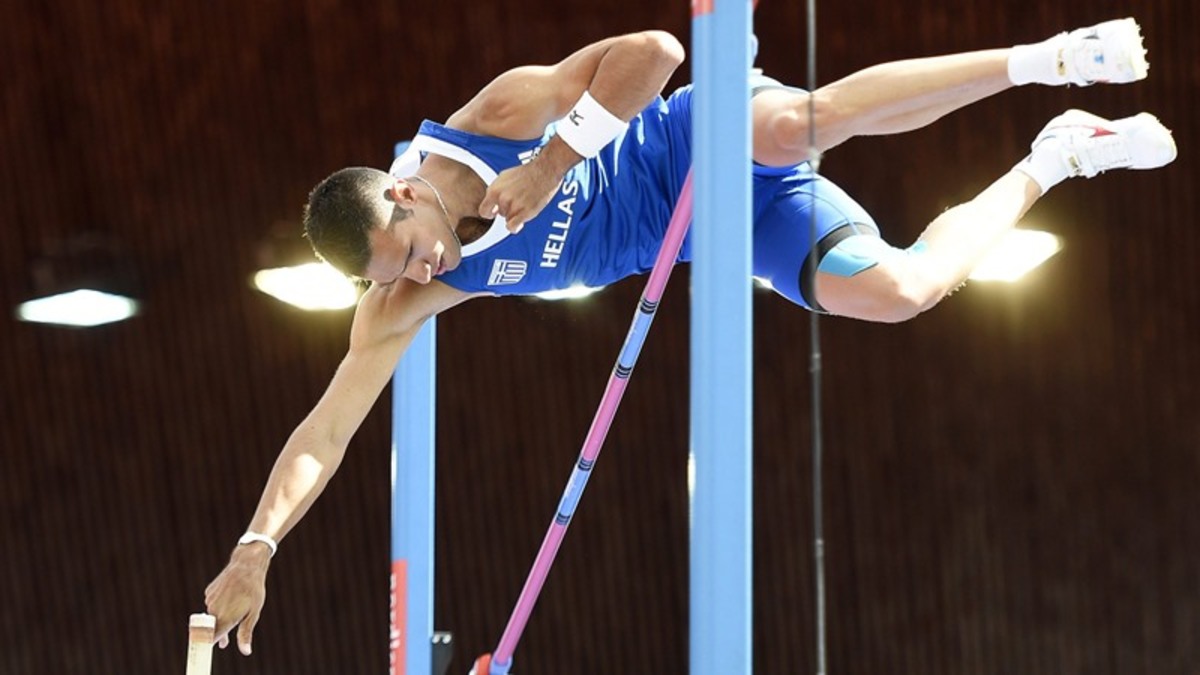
x: 237, y: 595
x: 520, y: 193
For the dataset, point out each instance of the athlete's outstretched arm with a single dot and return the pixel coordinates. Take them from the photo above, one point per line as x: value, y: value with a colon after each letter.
x: 621, y: 75
x: 387, y: 318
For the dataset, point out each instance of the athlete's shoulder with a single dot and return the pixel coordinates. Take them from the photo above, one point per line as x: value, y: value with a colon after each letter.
x: 386, y: 310
x: 517, y: 105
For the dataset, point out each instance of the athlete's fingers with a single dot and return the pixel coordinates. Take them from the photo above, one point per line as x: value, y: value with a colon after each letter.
x: 227, y: 619
x: 502, y: 204
x: 223, y: 641
x: 514, y: 216
x: 246, y: 632
x: 489, y: 207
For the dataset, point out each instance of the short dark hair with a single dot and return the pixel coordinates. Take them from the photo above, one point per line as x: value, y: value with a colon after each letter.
x: 341, y: 211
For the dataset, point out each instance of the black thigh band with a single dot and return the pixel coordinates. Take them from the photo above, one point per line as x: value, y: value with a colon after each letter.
x: 808, y: 272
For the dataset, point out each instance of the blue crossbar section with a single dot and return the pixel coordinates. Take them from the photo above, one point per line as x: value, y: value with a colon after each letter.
x: 721, y: 434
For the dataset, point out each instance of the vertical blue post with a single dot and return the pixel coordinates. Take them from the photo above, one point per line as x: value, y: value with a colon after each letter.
x: 721, y: 388
x: 414, y: 399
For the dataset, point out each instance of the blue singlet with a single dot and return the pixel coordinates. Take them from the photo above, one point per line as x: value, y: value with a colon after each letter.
x: 607, y: 219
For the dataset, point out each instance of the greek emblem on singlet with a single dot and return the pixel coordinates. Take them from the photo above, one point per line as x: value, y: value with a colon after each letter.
x: 507, y: 272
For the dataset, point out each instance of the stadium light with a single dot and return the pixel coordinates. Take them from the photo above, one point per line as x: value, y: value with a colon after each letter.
x: 290, y: 272
x: 1017, y: 253
x: 85, y: 280
x: 310, y: 286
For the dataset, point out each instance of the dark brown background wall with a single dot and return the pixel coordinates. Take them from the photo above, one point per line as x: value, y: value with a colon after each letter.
x: 1011, y: 479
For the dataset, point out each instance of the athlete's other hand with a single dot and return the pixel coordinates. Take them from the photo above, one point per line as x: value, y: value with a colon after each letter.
x: 520, y: 193
x: 237, y: 595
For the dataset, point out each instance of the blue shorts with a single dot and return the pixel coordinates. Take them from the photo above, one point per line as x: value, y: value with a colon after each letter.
x: 784, y: 202
x: 786, y: 228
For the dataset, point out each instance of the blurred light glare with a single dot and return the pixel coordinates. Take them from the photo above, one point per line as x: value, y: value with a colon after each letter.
x: 80, y: 307
x: 1017, y: 253
x: 571, y: 293
x: 312, y: 286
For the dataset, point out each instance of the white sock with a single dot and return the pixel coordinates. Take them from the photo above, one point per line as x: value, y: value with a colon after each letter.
x: 1037, y: 63
x: 1045, y: 165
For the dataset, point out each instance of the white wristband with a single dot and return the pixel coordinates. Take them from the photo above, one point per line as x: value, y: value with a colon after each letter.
x: 590, y: 126
x: 251, y: 537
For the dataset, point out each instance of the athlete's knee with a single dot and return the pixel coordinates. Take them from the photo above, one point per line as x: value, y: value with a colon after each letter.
x: 906, y: 297
x: 786, y: 117
x: 790, y: 126
x: 879, y: 295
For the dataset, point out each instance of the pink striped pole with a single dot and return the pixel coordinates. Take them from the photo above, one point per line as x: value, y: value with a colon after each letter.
x: 501, y: 659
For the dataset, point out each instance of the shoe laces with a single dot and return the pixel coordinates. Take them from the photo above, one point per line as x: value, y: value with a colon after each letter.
x: 1088, y: 155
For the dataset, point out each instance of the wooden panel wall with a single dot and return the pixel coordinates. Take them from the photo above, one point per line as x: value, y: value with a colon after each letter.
x: 1011, y: 478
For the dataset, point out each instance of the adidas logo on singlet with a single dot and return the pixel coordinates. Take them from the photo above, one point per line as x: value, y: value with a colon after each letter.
x: 507, y: 272
x: 527, y: 156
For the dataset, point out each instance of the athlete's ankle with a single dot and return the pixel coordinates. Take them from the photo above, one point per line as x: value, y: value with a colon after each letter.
x: 1037, y: 63
x: 1045, y: 165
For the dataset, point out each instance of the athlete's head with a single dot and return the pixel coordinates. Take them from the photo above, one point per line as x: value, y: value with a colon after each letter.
x: 368, y: 224
x: 341, y: 212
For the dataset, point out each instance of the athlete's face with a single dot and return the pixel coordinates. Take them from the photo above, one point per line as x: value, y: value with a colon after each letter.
x: 418, y: 247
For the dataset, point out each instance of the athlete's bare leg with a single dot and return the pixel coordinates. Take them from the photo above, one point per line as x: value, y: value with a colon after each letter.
x: 900, y: 287
x: 901, y: 96
x: 886, y: 99
x: 894, y: 285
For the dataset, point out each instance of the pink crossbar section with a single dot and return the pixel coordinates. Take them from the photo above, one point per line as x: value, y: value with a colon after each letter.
x: 659, y: 274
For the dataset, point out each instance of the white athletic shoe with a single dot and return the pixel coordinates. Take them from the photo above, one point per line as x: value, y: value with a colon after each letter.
x: 1089, y: 144
x: 1110, y: 52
